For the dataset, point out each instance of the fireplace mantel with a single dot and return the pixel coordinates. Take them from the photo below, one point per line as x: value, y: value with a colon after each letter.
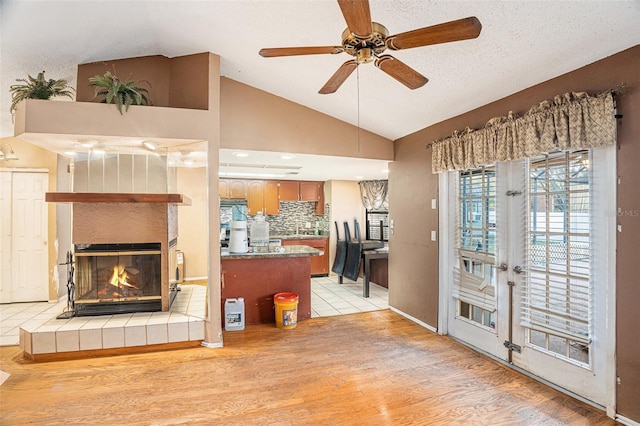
x: 116, y: 197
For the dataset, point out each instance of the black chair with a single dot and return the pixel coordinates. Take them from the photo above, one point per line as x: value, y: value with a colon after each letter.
x: 341, y: 254
x: 354, y: 253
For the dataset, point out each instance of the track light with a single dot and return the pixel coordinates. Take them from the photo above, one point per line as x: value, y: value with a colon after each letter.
x: 7, y: 154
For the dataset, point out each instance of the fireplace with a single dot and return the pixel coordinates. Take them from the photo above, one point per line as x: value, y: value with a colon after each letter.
x: 117, y: 278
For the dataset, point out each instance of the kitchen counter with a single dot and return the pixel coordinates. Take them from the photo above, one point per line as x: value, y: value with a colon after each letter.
x: 286, y: 251
x: 259, y: 276
x: 298, y: 237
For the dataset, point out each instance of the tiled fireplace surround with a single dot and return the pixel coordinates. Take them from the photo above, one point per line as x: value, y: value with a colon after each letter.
x: 118, y: 222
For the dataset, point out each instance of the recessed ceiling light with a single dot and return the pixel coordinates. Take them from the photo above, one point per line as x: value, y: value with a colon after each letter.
x: 287, y: 157
x: 70, y: 153
x: 150, y: 145
x: 87, y: 144
x: 241, y: 154
x: 385, y: 171
x: 359, y: 177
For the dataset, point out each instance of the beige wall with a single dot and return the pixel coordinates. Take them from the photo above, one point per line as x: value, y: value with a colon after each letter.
x: 33, y: 157
x: 192, y: 221
x: 256, y: 120
x: 413, y: 260
x: 343, y: 197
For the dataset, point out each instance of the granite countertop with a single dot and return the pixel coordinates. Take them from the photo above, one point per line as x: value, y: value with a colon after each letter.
x: 285, y: 251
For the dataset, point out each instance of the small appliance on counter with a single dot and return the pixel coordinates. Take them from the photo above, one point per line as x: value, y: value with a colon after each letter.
x: 260, y: 234
x: 238, y: 242
x: 238, y: 237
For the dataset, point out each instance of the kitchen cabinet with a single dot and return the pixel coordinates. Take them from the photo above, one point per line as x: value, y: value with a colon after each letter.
x: 255, y: 196
x: 262, y: 196
x: 310, y: 191
x: 320, y: 202
x: 289, y: 190
x: 271, y: 200
x: 319, y: 264
x: 232, y: 189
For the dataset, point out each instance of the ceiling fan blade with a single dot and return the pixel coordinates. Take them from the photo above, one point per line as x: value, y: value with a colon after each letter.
x: 358, y: 16
x: 401, y: 72
x: 462, y: 29
x: 292, y: 51
x: 339, y: 77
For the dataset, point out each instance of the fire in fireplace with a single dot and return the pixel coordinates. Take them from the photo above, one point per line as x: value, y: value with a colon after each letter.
x: 117, y: 278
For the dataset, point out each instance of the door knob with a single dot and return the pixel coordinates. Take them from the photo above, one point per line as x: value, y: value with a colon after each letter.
x: 517, y: 269
x: 503, y: 267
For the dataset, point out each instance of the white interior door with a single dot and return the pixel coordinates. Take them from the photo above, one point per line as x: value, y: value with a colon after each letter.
x: 530, y: 241
x: 29, y: 237
x: 5, y: 237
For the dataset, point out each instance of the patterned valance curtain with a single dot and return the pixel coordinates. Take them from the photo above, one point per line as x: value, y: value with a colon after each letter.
x: 374, y: 194
x: 570, y: 121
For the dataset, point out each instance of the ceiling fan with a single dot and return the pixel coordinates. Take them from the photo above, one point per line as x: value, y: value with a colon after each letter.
x: 366, y: 41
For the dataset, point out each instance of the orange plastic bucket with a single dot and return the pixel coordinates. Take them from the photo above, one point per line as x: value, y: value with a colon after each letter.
x: 286, y: 310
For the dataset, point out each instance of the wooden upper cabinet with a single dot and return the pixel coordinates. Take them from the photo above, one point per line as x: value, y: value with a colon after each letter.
x: 310, y: 191
x: 263, y: 196
x: 320, y: 203
x: 271, y: 200
x: 224, y: 189
x: 255, y: 196
x: 237, y: 189
x: 232, y: 189
x: 289, y: 190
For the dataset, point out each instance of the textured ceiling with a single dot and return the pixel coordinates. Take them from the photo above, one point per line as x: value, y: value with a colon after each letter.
x: 522, y: 43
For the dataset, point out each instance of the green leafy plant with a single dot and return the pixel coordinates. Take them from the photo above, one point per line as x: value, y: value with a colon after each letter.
x: 121, y: 93
x: 38, y: 88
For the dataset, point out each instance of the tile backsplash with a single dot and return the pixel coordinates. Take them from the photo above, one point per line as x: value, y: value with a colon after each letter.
x: 292, y: 213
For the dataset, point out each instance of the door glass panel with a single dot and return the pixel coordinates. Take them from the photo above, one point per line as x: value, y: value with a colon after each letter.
x: 476, y: 244
x: 557, y: 298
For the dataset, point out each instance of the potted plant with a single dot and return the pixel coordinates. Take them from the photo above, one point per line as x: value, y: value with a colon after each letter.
x: 122, y: 93
x: 38, y: 88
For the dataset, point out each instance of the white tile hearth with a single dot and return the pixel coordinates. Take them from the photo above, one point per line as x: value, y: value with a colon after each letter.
x: 35, y: 327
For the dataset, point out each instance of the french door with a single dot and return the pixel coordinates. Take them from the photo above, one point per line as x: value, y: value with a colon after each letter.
x: 530, y: 267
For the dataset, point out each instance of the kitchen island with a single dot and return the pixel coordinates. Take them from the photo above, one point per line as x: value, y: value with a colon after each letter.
x: 259, y: 276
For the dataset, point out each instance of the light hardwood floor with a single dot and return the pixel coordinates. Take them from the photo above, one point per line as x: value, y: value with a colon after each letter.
x: 371, y: 368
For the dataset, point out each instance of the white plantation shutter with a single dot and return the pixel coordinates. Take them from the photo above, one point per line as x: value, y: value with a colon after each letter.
x: 472, y: 288
x: 557, y: 296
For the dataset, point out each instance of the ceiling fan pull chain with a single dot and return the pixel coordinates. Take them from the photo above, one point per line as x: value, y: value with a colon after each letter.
x: 358, y: 92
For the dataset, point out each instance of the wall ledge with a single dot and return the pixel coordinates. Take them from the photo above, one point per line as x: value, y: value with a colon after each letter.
x: 116, y: 197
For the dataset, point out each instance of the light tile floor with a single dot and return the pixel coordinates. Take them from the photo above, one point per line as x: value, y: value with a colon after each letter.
x: 328, y: 298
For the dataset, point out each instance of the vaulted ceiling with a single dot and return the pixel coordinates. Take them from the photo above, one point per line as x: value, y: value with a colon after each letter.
x: 521, y: 43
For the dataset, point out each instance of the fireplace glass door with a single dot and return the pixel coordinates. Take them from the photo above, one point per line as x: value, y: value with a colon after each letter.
x: 117, y: 278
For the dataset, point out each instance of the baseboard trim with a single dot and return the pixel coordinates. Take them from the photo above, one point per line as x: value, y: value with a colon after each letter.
x: 416, y: 320
x: 626, y: 421
x: 212, y: 344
